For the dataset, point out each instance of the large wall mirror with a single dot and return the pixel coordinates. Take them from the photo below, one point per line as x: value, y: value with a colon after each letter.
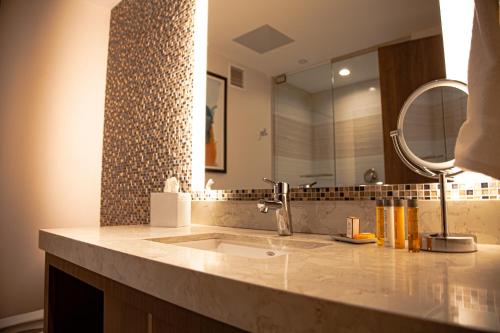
x: 314, y: 88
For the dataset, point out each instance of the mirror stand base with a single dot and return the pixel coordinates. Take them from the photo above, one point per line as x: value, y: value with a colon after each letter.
x: 452, y: 243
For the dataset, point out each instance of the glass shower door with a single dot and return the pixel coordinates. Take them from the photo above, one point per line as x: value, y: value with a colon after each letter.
x: 303, y: 124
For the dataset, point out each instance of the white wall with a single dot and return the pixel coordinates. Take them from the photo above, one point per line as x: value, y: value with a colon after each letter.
x: 52, y: 86
x: 248, y: 112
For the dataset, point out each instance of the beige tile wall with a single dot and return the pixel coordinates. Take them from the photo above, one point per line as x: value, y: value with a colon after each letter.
x: 479, y: 217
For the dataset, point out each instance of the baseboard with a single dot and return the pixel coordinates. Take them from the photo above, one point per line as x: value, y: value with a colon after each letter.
x: 20, y: 319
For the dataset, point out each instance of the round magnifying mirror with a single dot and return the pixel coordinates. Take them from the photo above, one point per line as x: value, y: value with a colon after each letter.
x: 429, y: 123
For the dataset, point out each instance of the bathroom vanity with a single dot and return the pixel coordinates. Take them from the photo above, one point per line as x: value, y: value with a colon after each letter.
x: 207, y: 278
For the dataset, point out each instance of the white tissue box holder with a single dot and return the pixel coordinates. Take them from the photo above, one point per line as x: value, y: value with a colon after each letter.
x: 170, y: 209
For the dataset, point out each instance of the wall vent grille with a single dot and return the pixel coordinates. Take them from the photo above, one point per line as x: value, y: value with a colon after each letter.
x: 237, y: 77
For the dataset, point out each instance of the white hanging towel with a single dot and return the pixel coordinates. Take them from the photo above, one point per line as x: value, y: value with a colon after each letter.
x: 478, y: 143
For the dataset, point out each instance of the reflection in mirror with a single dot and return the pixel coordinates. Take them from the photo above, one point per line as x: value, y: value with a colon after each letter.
x: 313, y: 88
x: 359, y: 146
x: 432, y: 123
x: 303, y: 128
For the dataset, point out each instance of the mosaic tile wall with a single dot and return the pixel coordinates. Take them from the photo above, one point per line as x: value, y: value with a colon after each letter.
x: 455, y: 191
x: 147, y: 125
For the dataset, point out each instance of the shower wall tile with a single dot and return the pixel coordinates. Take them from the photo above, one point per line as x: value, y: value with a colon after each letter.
x: 323, y: 148
x: 294, y: 138
x: 360, y: 136
x: 147, y: 126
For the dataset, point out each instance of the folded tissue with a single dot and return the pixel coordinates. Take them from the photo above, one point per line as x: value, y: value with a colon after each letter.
x: 171, y: 185
x: 170, y: 208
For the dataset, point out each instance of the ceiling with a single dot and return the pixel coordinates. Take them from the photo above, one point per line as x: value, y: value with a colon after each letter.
x: 321, y: 29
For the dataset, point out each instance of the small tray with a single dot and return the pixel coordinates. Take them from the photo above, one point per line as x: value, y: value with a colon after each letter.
x: 343, y: 238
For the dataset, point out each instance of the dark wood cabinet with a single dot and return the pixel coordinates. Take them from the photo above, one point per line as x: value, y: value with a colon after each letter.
x: 75, y: 306
x: 403, y: 68
x: 78, y: 300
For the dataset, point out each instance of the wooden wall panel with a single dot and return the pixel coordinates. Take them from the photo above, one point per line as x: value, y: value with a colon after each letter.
x: 403, y: 68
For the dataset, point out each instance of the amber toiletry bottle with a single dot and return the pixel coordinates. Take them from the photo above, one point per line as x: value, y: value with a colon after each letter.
x: 413, y: 235
x: 399, y: 224
x: 379, y: 220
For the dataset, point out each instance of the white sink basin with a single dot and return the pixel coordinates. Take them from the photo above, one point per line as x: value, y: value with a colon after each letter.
x: 257, y: 247
x: 233, y: 248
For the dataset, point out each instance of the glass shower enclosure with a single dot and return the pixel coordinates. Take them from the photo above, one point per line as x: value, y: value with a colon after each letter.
x: 327, y: 124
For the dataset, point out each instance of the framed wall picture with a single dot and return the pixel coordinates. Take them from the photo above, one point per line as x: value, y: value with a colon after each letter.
x: 215, y: 129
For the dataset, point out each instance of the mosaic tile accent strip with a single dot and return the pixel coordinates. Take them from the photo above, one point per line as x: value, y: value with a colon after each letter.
x: 147, y: 125
x: 479, y: 191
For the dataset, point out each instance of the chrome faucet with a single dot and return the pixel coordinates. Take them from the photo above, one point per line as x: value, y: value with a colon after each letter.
x: 281, y: 204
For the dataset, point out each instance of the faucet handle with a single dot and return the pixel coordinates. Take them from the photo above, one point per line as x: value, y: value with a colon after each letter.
x: 270, y: 181
x: 310, y: 185
x: 278, y: 187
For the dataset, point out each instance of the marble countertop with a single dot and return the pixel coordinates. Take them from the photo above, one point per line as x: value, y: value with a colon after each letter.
x: 362, y: 288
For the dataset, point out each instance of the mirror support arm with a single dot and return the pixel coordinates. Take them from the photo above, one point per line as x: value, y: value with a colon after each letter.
x: 419, y: 170
x: 444, y: 209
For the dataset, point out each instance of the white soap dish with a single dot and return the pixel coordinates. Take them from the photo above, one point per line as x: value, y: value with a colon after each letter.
x: 343, y: 238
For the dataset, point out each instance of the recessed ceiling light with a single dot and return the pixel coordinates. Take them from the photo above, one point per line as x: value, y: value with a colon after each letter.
x: 372, y: 89
x: 344, y: 72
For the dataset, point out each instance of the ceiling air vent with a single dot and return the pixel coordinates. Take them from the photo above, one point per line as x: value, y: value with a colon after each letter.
x: 263, y: 39
x: 237, y: 77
